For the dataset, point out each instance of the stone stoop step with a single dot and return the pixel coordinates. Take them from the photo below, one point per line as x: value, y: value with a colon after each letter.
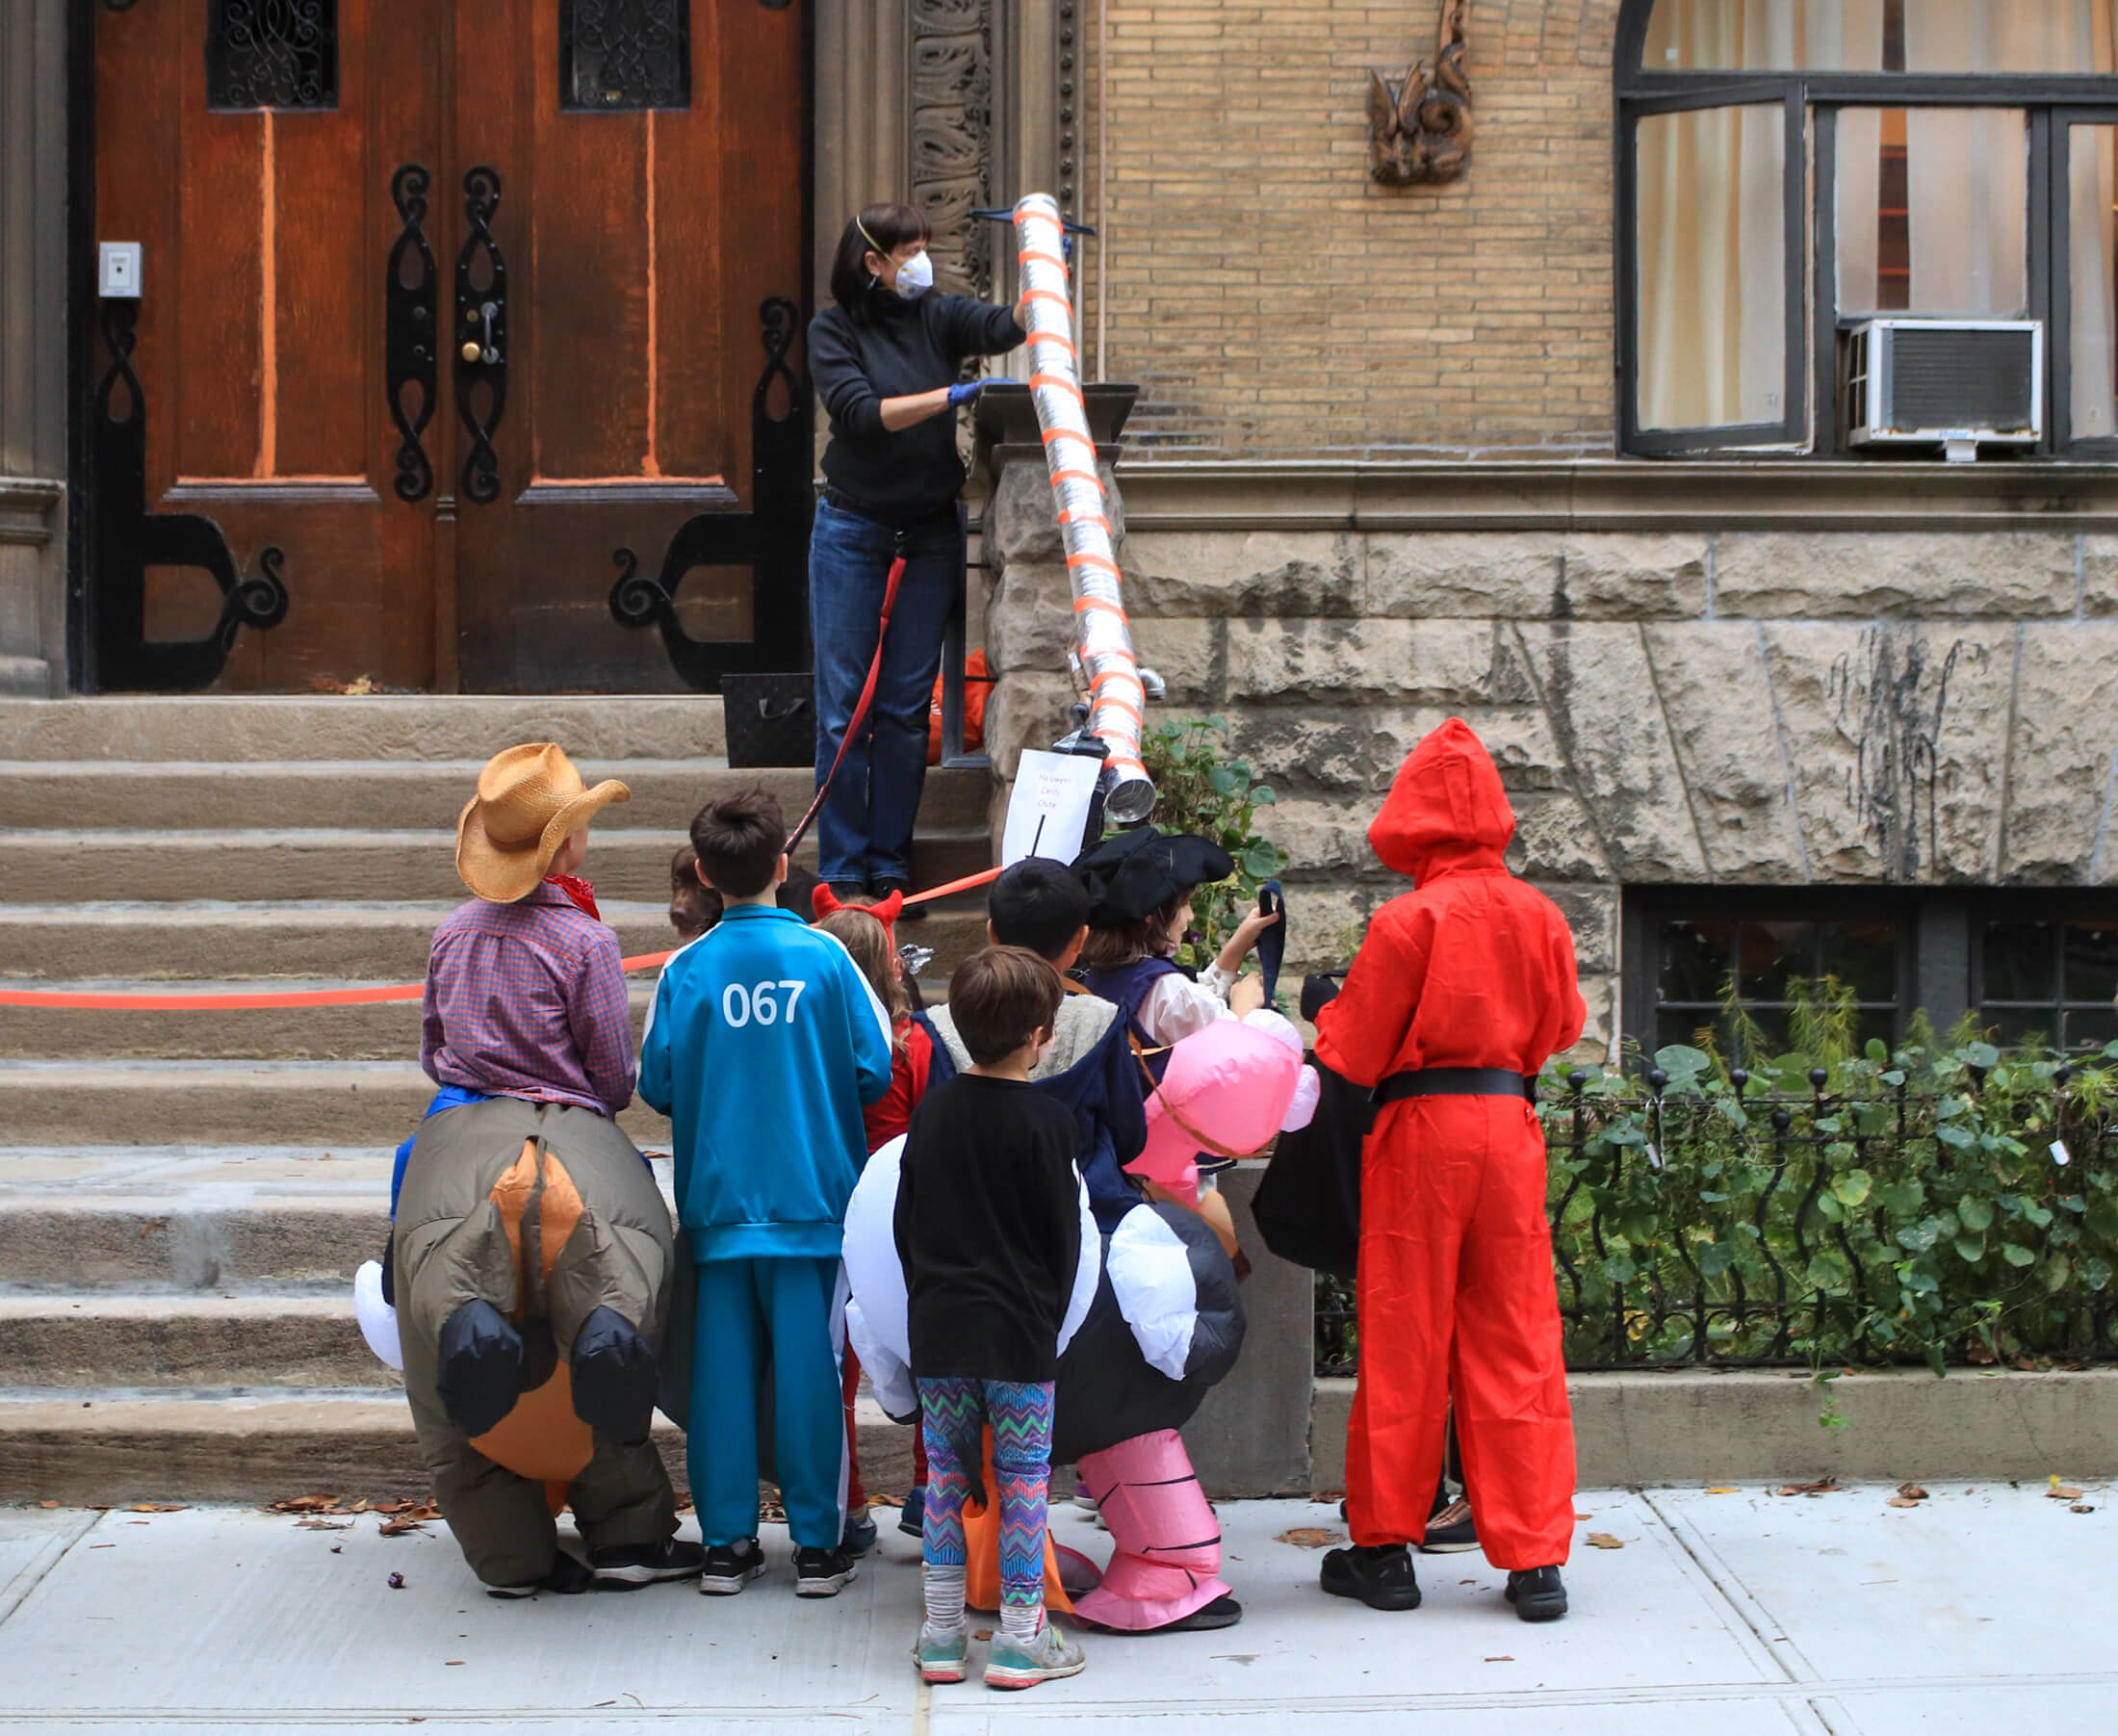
x: 185, y: 1196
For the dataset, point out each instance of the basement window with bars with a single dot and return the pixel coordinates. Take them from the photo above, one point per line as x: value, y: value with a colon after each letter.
x: 1862, y: 227
x: 1738, y: 971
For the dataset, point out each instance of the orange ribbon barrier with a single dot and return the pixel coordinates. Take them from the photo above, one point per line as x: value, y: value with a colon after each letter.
x: 243, y: 1001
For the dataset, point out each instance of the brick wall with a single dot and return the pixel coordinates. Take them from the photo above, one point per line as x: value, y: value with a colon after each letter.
x: 1272, y: 300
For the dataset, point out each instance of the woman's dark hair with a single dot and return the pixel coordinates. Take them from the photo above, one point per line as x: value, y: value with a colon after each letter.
x: 1113, y: 949
x: 878, y: 229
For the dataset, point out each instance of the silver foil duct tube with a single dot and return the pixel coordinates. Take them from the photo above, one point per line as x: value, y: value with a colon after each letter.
x: 1116, y: 697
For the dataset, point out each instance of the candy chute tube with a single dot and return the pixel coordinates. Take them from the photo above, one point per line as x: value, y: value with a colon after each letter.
x: 1102, y: 637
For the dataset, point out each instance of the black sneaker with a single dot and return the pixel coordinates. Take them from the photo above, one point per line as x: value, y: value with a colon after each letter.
x: 912, y: 913
x: 730, y: 1567
x: 1537, y: 1593
x: 630, y: 1568
x: 568, y: 1578
x: 822, y: 1572
x: 912, y: 1516
x: 1450, y: 1530
x: 859, y: 1535
x: 1380, y: 1576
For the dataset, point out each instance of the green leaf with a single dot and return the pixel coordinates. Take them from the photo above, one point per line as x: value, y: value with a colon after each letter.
x: 1715, y: 1259
x: 1682, y: 1063
x: 2017, y: 1255
x: 1976, y: 1215
x: 1970, y: 1249
x: 1852, y: 1188
x: 2102, y: 1217
x: 1261, y: 860
x: 1981, y: 1055
x: 1901, y: 1198
x: 1961, y: 1138
x: 1731, y: 1111
x: 1936, y: 1362
x: 1921, y: 1237
x: 2096, y: 1273
x: 2057, y: 1271
x: 1262, y: 795
x: 2036, y: 1214
x: 1619, y: 1268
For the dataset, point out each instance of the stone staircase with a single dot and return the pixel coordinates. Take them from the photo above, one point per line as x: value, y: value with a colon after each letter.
x: 185, y: 1196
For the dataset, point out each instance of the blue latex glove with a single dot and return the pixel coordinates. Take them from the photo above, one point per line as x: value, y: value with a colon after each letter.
x: 962, y: 393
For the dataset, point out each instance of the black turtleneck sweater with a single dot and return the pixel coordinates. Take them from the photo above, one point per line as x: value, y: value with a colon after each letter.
x: 898, y: 349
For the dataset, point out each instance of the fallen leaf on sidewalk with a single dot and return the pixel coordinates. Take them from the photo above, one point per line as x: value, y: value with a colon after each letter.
x: 156, y: 1507
x: 1724, y: 1488
x: 2080, y: 1507
x: 304, y: 1504
x: 2062, y: 1492
x: 322, y: 1525
x: 1912, y: 1491
x: 1310, y: 1536
x: 404, y: 1527
x: 1824, y: 1486
x: 47, y: 1506
x: 1603, y: 1540
x: 1500, y: 1660
x: 450, y: 1663
x: 1901, y: 1501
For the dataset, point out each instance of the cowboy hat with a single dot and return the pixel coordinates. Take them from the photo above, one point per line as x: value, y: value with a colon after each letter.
x: 530, y: 800
x: 1133, y: 874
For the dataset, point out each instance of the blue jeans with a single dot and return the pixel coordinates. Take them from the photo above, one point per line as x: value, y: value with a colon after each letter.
x: 864, y: 832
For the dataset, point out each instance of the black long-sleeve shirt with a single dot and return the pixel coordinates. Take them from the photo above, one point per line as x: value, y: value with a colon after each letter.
x: 989, y: 1229
x: 896, y: 349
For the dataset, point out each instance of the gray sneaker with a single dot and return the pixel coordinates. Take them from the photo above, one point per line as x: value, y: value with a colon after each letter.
x: 1050, y: 1655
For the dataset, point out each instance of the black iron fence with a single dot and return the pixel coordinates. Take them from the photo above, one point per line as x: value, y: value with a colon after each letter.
x: 1959, y: 1210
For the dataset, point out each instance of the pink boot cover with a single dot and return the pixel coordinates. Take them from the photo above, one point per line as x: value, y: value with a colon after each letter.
x: 1166, y: 1563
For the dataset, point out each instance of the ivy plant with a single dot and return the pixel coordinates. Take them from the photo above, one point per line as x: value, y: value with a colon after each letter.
x: 1201, y: 788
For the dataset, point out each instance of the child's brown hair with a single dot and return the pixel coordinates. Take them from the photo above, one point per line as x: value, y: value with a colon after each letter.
x: 868, y: 942
x: 740, y: 839
x: 1001, y: 997
x: 1110, y: 949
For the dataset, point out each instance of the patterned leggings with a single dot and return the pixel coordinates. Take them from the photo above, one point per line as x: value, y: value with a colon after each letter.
x: 954, y: 1411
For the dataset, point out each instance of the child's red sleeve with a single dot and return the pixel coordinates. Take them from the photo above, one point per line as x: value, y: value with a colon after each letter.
x: 1359, y: 1033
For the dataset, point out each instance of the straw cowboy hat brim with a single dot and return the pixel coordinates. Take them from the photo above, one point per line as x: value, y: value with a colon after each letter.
x: 529, y: 801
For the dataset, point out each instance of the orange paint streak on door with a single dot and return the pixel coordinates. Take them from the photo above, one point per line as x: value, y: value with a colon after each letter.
x: 268, y: 312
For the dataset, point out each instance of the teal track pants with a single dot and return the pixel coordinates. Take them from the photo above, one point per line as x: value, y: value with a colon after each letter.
x: 793, y: 1313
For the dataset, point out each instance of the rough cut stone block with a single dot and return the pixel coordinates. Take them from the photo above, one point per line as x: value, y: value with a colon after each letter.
x: 1256, y: 573
x: 1554, y: 841
x: 1339, y: 663
x: 2098, y: 576
x: 1026, y: 710
x: 1324, y: 837
x: 1491, y: 573
x: 1021, y: 523
x: 1519, y: 737
x: 1630, y: 577
x: 1029, y: 620
x: 1863, y: 575
x: 1356, y: 752
x: 1189, y: 655
x: 1591, y: 912
x: 1601, y: 693
x: 2066, y: 724
x: 1896, y: 735
x: 1713, y: 682
x: 1326, y: 919
x: 1600, y: 1035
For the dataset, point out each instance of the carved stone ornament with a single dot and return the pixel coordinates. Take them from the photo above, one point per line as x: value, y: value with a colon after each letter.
x: 1419, y: 131
x: 952, y: 136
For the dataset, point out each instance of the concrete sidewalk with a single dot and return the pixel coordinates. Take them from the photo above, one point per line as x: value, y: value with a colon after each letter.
x: 1983, y: 1608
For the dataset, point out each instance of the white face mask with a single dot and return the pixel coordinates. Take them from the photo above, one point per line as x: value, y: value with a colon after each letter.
x: 915, y: 276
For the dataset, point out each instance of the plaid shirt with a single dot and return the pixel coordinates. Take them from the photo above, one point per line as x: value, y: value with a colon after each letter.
x: 526, y: 1000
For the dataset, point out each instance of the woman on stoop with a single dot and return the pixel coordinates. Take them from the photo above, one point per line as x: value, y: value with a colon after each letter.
x: 987, y: 1227
x: 888, y: 357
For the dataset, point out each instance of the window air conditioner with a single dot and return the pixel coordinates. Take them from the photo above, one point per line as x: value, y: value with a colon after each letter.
x: 1954, y: 383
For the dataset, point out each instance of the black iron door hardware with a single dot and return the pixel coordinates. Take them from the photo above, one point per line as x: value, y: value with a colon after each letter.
x: 482, y: 336
x: 771, y: 538
x: 409, y: 313
x: 128, y: 539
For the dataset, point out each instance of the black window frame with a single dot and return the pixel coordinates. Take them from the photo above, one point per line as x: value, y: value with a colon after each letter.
x: 1941, y: 951
x: 1814, y: 426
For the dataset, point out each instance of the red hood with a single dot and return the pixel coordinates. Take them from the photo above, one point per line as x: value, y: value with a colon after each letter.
x: 1446, y: 809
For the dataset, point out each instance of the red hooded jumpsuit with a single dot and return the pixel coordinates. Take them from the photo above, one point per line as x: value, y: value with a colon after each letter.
x: 1455, y: 1293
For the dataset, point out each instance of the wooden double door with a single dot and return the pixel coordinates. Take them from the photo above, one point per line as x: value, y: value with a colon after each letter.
x: 446, y: 312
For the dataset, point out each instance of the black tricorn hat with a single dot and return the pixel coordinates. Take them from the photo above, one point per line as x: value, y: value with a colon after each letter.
x: 1133, y: 875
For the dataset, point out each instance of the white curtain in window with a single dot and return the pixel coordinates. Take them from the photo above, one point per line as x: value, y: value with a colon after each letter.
x: 1941, y: 36
x: 2092, y: 176
x: 2008, y: 35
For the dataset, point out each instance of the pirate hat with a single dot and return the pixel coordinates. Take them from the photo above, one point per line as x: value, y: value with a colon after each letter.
x: 1133, y: 875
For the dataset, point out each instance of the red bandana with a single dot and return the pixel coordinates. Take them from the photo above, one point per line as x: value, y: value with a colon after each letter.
x: 579, y: 890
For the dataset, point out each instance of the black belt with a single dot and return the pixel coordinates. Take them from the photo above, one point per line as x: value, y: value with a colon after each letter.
x: 895, y: 518
x: 1455, y: 1081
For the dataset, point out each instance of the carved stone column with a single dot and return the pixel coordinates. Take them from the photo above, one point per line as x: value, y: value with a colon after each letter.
x: 32, y: 346
x: 948, y: 105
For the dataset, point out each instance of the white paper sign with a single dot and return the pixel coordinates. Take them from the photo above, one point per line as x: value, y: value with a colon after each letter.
x: 1050, y: 809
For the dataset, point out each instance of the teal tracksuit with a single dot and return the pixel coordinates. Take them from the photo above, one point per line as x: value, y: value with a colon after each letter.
x: 763, y: 1042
